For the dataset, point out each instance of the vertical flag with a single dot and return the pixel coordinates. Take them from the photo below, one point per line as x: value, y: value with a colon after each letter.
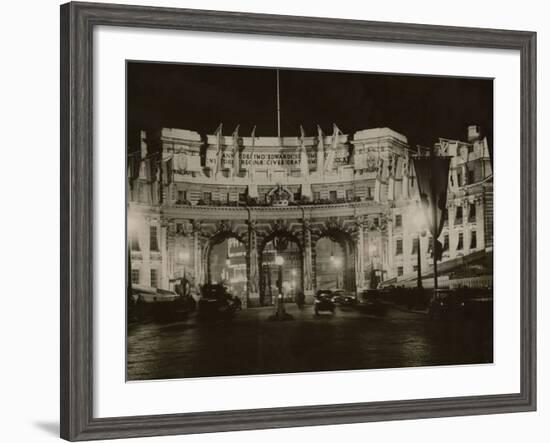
x: 320, y: 150
x: 432, y: 174
x: 304, y: 166
x: 236, y: 162
x: 329, y: 164
x: 218, y: 133
x: 252, y: 166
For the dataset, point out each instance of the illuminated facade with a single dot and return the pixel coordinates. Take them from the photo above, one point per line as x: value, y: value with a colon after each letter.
x: 189, y: 193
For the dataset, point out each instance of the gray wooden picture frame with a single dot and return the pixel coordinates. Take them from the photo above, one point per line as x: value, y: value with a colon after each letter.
x: 77, y: 24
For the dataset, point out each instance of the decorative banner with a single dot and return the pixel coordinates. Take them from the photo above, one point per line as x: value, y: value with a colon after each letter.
x: 432, y: 175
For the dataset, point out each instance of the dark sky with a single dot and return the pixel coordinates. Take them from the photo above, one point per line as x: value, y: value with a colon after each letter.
x: 199, y: 97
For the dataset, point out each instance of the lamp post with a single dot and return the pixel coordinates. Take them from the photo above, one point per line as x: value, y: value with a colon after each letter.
x: 418, y: 226
x: 372, y: 252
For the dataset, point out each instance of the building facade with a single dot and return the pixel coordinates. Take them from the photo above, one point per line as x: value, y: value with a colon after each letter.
x: 188, y: 193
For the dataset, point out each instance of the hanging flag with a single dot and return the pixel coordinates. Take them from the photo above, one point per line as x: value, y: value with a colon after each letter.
x: 432, y: 177
x: 218, y: 134
x: 252, y: 168
x: 236, y: 159
x: 329, y: 163
x: 304, y: 166
x: 320, y: 150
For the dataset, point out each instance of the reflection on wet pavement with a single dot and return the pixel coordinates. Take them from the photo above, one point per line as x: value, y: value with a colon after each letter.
x: 250, y: 344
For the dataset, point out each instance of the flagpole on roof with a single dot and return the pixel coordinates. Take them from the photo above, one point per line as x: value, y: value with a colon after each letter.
x: 278, y: 108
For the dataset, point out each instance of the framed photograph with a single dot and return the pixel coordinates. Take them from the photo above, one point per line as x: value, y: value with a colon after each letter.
x: 273, y: 221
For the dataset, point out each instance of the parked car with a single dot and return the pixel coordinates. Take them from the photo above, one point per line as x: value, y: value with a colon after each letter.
x: 323, y: 302
x: 216, y: 302
x: 148, y: 303
x: 371, y: 302
x: 343, y: 298
x: 447, y: 304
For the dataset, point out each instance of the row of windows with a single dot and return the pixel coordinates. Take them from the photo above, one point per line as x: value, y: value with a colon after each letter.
x: 459, y: 246
x: 153, y: 274
x: 458, y: 216
x: 153, y: 240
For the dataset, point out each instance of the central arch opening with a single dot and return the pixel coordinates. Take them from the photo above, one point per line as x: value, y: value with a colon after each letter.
x: 276, y: 249
x: 227, y: 264
x: 330, y: 264
x: 334, y: 261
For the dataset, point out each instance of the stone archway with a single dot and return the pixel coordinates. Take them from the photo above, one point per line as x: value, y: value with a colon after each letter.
x: 347, y: 245
x: 280, y: 242
x: 218, y: 238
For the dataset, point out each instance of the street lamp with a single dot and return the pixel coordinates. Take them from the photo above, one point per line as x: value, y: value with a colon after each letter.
x: 418, y: 225
x: 372, y: 252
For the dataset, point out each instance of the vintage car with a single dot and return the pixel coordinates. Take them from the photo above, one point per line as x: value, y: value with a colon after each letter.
x: 343, y: 298
x: 217, y: 302
x: 147, y: 303
x: 370, y: 301
x: 465, y: 304
x: 323, y: 302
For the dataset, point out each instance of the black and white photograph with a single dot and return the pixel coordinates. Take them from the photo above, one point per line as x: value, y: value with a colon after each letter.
x: 292, y: 221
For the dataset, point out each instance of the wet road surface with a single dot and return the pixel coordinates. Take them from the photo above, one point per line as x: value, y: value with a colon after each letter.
x: 250, y: 344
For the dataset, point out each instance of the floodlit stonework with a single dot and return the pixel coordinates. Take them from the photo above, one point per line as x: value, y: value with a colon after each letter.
x: 189, y: 192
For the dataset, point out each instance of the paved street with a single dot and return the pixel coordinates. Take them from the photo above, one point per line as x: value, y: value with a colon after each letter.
x: 250, y: 344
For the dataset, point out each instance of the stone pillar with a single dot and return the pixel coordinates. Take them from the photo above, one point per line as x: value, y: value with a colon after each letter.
x: 307, y: 263
x: 360, y: 256
x: 253, y: 296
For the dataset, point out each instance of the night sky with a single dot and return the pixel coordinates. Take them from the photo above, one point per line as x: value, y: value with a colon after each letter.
x: 199, y: 97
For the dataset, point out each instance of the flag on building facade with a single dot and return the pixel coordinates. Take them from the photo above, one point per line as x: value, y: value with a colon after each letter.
x: 252, y: 166
x: 218, y: 133
x: 432, y: 175
x: 236, y: 156
x: 320, y: 149
x: 329, y: 162
x: 304, y: 165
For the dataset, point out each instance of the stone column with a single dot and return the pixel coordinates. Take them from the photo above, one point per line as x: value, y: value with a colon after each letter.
x: 307, y: 263
x: 253, y: 298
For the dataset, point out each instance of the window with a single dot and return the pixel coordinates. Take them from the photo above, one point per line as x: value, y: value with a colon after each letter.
x: 134, y: 242
x: 398, y: 221
x: 399, y: 247
x: 135, y: 276
x: 181, y: 196
x: 207, y: 196
x: 472, y: 213
x: 154, y: 278
x: 445, y: 242
x: 399, y: 271
x: 460, y: 244
x: 471, y: 177
x: 333, y: 195
x: 316, y: 196
x: 473, y: 240
x: 369, y: 193
x: 415, y: 246
x: 153, y: 240
x: 458, y: 178
x: 375, y: 221
x: 297, y: 196
x: 458, y: 215
x: 349, y: 194
x: 242, y: 197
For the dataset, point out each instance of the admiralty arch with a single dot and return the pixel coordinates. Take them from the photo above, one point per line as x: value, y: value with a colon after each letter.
x: 189, y: 193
